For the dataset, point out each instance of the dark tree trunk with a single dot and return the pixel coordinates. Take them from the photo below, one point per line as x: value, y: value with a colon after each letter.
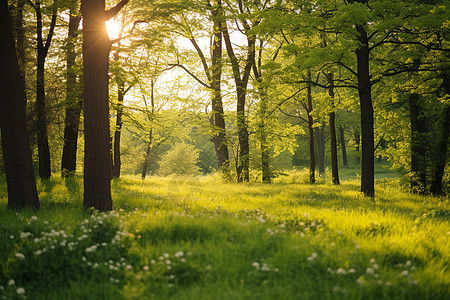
x: 73, y: 103
x: 20, y: 179
x: 312, y: 157
x: 320, y: 139
x: 41, y: 107
x: 117, y: 133
x: 20, y: 44
x: 442, y: 146
x: 343, y: 147
x: 365, y: 99
x: 333, y: 142
x: 219, y: 136
x: 418, y: 145
x: 97, y: 160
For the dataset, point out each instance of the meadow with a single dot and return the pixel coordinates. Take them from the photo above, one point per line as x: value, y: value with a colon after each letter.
x: 201, y: 238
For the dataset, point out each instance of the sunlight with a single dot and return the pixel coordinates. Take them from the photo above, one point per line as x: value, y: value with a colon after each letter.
x: 113, y: 28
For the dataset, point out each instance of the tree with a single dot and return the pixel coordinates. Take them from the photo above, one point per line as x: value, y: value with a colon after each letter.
x: 96, y: 48
x: 73, y: 97
x: 180, y: 160
x: 15, y: 144
x: 41, y: 107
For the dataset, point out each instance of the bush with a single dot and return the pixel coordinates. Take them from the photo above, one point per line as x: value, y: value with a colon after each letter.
x: 180, y: 160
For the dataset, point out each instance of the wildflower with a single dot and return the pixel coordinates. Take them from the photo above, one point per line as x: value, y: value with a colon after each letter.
x: 179, y: 254
x: 408, y: 263
x: 370, y: 271
x: 152, y: 261
x: 183, y: 260
x: 38, y: 252
x: 20, y: 291
x: 11, y: 236
x: 166, y: 255
x: 333, y: 244
x: 372, y: 260
x: 276, y: 270
x: 404, y: 273
x: 145, y: 268
x: 92, y: 248
x: 11, y: 282
x: 24, y: 235
x: 341, y: 271
x: 306, y: 215
x: 20, y: 256
x: 375, y: 266
x: 265, y: 267
x: 34, y: 218
x: 388, y: 283
x: 128, y: 267
x: 168, y: 262
x: 255, y: 264
x: 351, y: 271
x: 313, y: 224
x: 361, y: 281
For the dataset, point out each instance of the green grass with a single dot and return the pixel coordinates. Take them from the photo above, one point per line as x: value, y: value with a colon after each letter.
x: 200, y: 238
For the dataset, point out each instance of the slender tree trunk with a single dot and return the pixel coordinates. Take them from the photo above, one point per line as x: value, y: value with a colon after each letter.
x: 320, y: 139
x: 442, y: 147
x: 418, y: 146
x: 117, y: 132
x: 265, y: 149
x: 73, y: 102
x: 343, y: 147
x: 219, y: 136
x: 42, y: 118
x: 147, y: 155
x: 20, y: 179
x: 97, y: 159
x: 243, y: 173
x: 20, y: 36
x: 365, y: 98
x: 333, y: 142
x: 150, y: 134
x: 312, y: 157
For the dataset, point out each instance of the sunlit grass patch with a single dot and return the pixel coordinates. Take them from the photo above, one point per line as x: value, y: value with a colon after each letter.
x: 195, y: 238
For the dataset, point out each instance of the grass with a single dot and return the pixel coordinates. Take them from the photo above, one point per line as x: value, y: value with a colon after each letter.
x: 200, y: 238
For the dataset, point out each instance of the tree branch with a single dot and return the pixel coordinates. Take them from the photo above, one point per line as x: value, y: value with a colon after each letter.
x: 190, y: 73
x: 112, y: 12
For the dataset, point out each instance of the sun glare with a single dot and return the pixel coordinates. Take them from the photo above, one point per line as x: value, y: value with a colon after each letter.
x: 113, y: 28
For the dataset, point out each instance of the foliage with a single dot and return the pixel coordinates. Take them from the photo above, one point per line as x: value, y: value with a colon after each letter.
x: 180, y: 160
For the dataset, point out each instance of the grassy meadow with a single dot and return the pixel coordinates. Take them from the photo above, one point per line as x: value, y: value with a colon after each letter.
x: 200, y: 238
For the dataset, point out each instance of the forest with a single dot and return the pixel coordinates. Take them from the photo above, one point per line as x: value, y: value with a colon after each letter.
x: 224, y: 149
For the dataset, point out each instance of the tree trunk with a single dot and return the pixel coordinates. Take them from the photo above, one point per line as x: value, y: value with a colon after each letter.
x: 312, y: 157
x: 343, y: 147
x: 73, y: 103
x: 219, y: 136
x: 243, y: 173
x: 96, y: 47
x: 265, y: 149
x: 117, y: 132
x: 20, y: 36
x: 333, y: 143
x: 147, y: 155
x: 442, y: 147
x: 418, y: 146
x: 19, y: 171
x: 365, y: 99
x: 320, y: 139
x: 42, y: 118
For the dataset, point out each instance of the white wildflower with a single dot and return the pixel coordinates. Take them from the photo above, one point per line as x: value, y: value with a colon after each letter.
x: 255, y: 264
x: 20, y: 256
x: 20, y: 291
x: 341, y: 271
x: 179, y: 254
x: 351, y: 271
x: 370, y: 271
x: 408, y: 263
x: 265, y: 267
x: 11, y: 282
x: 375, y: 266
x: 145, y: 268
x: 372, y: 260
x: 404, y: 273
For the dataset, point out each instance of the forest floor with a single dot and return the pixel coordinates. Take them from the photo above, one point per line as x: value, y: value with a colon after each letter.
x: 200, y: 238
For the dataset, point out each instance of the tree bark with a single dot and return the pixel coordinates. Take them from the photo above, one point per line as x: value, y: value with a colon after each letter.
x: 19, y: 171
x: 320, y: 139
x: 41, y: 107
x: 219, y: 136
x: 117, y: 131
x: 96, y: 48
x: 442, y: 147
x: 365, y: 99
x: 73, y: 102
x: 242, y: 169
x: 343, y: 147
x: 312, y: 157
x: 418, y: 145
x: 150, y: 133
x: 333, y: 142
